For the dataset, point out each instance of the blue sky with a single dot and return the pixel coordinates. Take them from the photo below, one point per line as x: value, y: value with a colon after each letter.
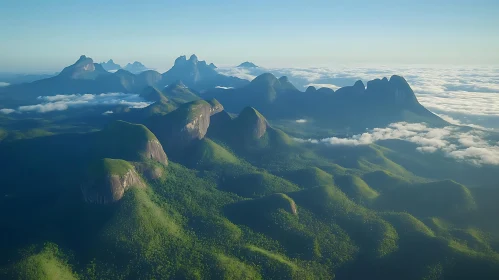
x: 48, y: 35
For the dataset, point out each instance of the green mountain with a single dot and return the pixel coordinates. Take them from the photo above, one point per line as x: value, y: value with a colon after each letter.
x: 194, y: 192
x: 189, y: 122
x: 108, y: 180
x: 133, y: 142
x: 350, y: 107
x: 180, y: 93
x: 153, y: 94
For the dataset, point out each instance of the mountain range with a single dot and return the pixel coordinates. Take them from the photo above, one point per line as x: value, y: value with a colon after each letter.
x: 110, y: 66
x: 357, y: 107
x: 199, y: 193
x: 85, y: 76
x: 349, y: 108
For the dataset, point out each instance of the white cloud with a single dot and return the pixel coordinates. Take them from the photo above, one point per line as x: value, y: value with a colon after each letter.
x: 469, y: 95
x: 453, y: 141
x: 301, y: 121
x: 64, y: 102
x: 331, y: 86
x: 7, y: 111
x: 241, y: 73
x: 108, y: 112
x: 4, y: 84
x: 221, y: 87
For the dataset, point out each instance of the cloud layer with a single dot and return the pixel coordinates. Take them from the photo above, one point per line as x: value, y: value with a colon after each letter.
x: 455, y: 142
x: 468, y: 94
x: 64, y: 102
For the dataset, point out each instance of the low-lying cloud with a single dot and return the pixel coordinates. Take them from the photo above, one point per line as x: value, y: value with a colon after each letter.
x: 4, y: 84
x: 331, y: 86
x: 455, y: 142
x: 7, y: 111
x: 468, y: 94
x: 64, y: 102
x: 221, y: 87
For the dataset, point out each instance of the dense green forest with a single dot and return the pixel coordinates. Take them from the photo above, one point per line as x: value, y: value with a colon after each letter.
x: 240, y: 200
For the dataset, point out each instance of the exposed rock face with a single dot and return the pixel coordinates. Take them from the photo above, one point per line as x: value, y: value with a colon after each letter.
x: 216, y: 107
x: 84, y: 68
x: 401, y: 90
x: 111, y: 188
x: 359, y: 86
x: 149, y: 171
x: 154, y: 151
x: 254, y: 125
x: 189, y: 122
x: 198, y: 125
x: 110, y: 65
x: 135, y: 67
x: 394, y: 91
x: 128, y: 141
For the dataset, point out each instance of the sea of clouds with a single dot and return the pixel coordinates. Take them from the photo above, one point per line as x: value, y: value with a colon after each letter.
x: 469, y: 95
x: 64, y: 102
x: 463, y: 96
x: 474, y: 146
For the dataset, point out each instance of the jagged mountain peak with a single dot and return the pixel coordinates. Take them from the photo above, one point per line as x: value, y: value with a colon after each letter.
x: 194, y: 58
x: 247, y: 64
x: 83, y: 68
x: 265, y: 78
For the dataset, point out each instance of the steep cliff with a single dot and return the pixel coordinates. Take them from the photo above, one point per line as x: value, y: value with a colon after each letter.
x: 133, y: 142
x: 189, y: 122
x: 108, y: 179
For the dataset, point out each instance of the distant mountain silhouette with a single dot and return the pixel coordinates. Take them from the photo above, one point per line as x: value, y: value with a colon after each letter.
x: 84, y: 76
x: 110, y: 65
x: 135, y: 67
x: 84, y: 68
x: 198, y: 75
x: 355, y: 107
x: 247, y: 64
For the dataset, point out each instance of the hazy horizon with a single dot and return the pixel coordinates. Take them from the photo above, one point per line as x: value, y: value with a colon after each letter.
x: 47, y: 36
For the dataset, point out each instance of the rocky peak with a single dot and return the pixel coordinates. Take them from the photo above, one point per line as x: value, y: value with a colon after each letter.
x: 247, y: 64
x: 110, y: 65
x: 359, y: 85
x: 83, y: 58
x: 284, y: 79
x: 129, y: 141
x: 82, y: 69
x: 212, y: 66
x: 135, y: 67
x: 401, y: 90
x: 311, y: 89
x: 216, y: 107
x: 187, y: 123
x: 377, y: 85
x: 193, y: 59
x: 180, y: 60
x: 265, y: 79
x: 252, y: 123
x: 153, y: 94
x: 108, y: 179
